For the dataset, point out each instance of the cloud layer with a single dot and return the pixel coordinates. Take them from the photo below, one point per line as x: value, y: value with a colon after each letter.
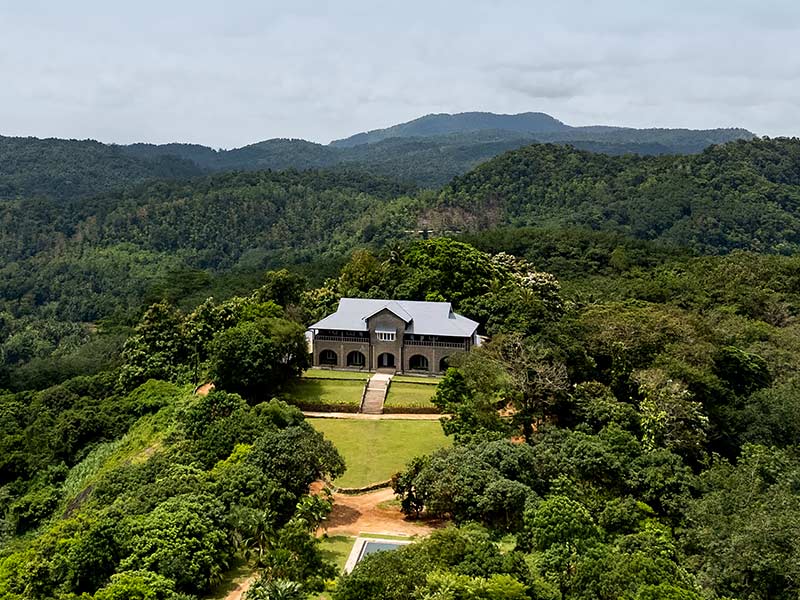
x: 234, y: 73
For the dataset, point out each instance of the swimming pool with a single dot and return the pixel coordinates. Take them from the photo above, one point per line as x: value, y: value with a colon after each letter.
x: 372, y: 546
x: 364, y: 546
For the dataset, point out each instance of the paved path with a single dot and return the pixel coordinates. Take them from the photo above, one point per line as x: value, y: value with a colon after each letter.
x: 399, y: 417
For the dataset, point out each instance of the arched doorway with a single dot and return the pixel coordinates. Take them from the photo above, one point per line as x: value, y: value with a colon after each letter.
x: 444, y: 363
x: 418, y: 362
x: 386, y: 360
x: 328, y: 358
x: 356, y: 359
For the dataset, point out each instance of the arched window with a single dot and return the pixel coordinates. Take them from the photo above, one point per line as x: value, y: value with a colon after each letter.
x: 356, y: 359
x: 418, y: 363
x: 444, y: 363
x: 329, y: 358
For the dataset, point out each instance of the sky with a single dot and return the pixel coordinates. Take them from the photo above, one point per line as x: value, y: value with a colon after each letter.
x: 225, y: 74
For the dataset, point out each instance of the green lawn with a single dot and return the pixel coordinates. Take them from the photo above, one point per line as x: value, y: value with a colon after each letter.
x: 417, y: 379
x: 375, y: 450
x: 329, y: 374
x: 412, y: 395
x: 325, y: 394
x: 336, y: 548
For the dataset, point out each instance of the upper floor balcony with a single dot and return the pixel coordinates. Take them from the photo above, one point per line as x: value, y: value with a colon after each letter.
x: 459, y: 345
x: 419, y: 341
x: 342, y: 336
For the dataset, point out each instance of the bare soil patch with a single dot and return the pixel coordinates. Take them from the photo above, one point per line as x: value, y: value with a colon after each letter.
x: 374, y: 513
x: 204, y: 389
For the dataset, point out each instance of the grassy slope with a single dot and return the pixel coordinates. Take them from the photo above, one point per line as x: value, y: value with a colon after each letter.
x: 376, y: 450
x: 141, y: 441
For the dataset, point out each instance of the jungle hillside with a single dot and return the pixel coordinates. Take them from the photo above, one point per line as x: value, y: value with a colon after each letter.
x: 629, y: 427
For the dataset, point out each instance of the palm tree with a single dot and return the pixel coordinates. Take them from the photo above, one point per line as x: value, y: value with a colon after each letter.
x: 278, y: 589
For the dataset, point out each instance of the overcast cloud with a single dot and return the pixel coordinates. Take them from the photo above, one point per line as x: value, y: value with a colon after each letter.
x: 231, y: 73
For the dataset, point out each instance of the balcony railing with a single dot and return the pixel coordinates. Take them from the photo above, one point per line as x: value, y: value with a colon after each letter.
x: 459, y: 345
x: 365, y: 340
x: 341, y: 338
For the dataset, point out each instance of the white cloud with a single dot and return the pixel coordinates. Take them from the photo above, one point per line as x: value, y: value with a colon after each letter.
x: 234, y: 73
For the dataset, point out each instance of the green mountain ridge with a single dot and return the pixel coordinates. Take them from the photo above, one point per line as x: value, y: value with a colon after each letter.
x: 428, y: 152
x: 547, y: 129
x: 78, y: 168
x: 445, y: 123
x: 741, y: 195
x: 426, y: 161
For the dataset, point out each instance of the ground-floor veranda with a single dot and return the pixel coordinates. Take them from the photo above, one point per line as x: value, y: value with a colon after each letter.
x: 366, y: 357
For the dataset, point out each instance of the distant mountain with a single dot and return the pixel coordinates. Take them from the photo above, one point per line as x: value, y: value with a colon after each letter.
x: 548, y: 129
x: 276, y: 154
x: 674, y: 141
x: 444, y: 124
x: 426, y: 152
x: 430, y: 161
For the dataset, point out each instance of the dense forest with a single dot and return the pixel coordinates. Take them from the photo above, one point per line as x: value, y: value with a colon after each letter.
x: 73, y: 263
x: 737, y: 195
x: 70, y: 265
x: 628, y: 430
x: 632, y: 434
x: 69, y: 169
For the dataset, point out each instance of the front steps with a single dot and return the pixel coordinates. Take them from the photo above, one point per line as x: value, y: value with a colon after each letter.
x: 375, y: 394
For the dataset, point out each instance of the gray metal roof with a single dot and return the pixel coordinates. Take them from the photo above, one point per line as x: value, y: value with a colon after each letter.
x: 421, y: 318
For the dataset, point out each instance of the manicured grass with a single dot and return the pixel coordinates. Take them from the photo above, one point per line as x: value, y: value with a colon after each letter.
x: 412, y: 395
x: 417, y: 379
x: 310, y: 393
x: 329, y: 374
x: 375, y: 450
x: 336, y: 548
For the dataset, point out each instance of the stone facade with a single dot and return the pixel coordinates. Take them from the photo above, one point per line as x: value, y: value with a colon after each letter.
x: 406, y: 353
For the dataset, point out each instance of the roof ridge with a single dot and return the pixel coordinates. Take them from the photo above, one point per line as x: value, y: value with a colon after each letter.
x: 421, y: 316
x: 387, y: 306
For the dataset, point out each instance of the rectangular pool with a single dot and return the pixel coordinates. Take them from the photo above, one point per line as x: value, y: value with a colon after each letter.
x: 364, y: 546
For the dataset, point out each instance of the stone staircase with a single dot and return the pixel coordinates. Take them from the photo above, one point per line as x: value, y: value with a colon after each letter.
x: 375, y: 394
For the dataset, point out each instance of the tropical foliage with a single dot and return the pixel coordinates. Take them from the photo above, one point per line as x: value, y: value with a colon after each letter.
x: 628, y: 429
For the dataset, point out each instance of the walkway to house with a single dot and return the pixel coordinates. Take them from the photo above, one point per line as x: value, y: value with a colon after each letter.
x: 375, y: 393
